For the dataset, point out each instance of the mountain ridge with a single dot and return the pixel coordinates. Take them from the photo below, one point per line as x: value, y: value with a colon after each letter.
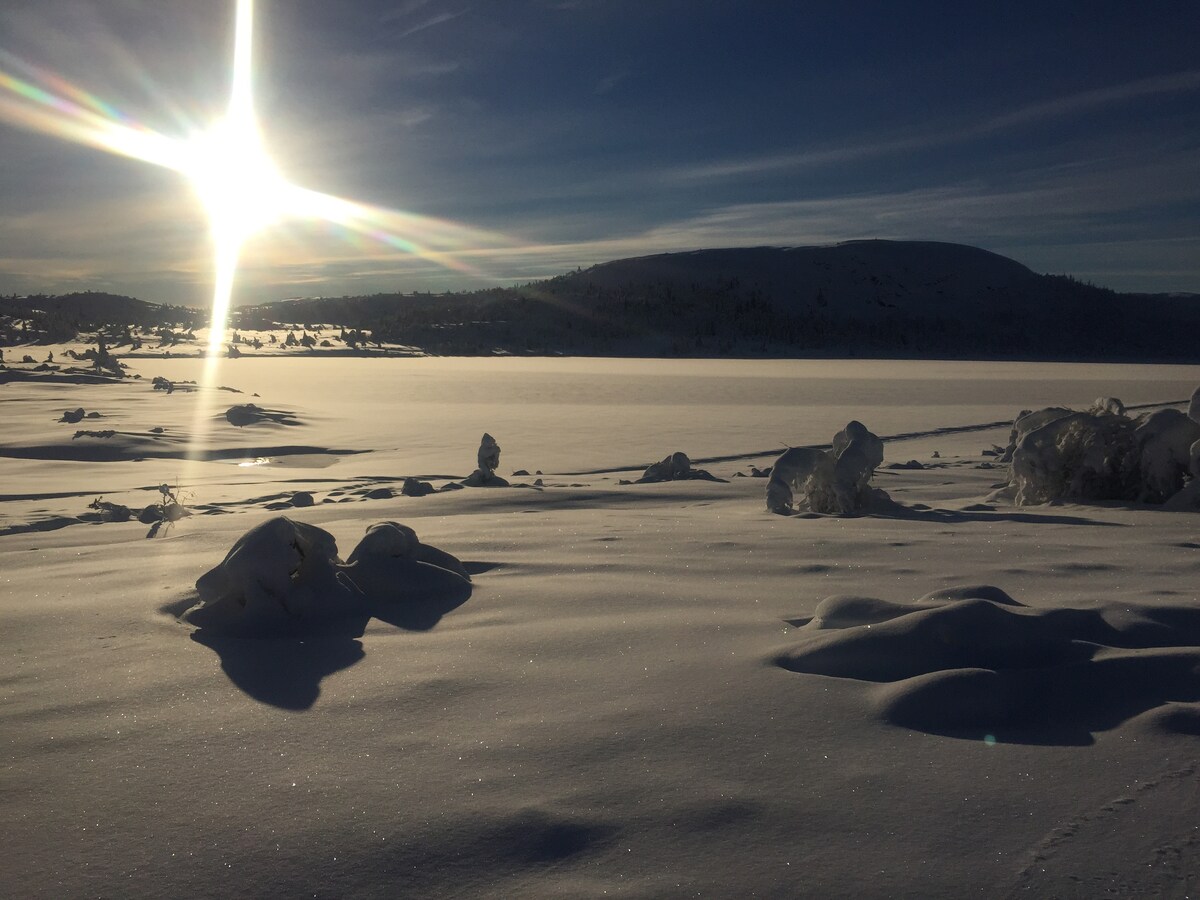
x: 856, y: 298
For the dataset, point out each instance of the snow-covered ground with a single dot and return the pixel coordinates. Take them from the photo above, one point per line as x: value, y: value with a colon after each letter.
x: 645, y: 690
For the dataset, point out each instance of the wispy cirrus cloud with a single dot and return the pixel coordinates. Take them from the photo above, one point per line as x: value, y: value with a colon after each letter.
x: 432, y: 22
x: 1059, y: 107
x: 1073, y: 104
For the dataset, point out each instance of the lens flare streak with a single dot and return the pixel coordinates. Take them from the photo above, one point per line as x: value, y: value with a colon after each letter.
x: 229, y: 169
x: 241, y: 189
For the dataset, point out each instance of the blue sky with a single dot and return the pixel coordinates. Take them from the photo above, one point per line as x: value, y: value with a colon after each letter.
x: 1065, y: 135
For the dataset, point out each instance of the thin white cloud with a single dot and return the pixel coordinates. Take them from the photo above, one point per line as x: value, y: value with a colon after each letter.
x: 439, y: 19
x: 608, y: 82
x: 1071, y: 104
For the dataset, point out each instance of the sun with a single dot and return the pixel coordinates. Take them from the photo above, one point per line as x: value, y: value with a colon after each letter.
x: 228, y: 168
x: 239, y: 184
x: 242, y: 191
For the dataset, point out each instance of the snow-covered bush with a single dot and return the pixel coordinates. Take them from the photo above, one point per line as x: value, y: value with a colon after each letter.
x: 1077, y: 457
x: 1165, y: 440
x: 1103, y: 454
x: 834, y: 481
x: 488, y: 457
x: 489, y: 454
x: 1030, y: 420
x: 1110, y: 405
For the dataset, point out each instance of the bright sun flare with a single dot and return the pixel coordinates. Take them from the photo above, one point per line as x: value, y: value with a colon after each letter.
x: 240, y: 187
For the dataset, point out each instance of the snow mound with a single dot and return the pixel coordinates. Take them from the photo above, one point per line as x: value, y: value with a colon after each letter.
x: 390, y: 562
x: 836, y: 481
x: 973, y: 662
x: 675, y: 467
x: 415, y: 487
x: 241, y: 415
x: 1104, y: 454
x: 284, y: 578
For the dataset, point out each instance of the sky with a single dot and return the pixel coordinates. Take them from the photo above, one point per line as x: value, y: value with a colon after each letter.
x: 529, y: 137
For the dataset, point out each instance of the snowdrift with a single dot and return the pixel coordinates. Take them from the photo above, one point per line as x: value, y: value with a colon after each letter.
x: 973, y: 662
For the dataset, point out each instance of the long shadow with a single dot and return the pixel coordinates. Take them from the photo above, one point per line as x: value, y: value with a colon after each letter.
x: 423, y: 609
x: 283, y: 672
x: 286, y: 669
x: 955, y: 516
x: 1063, y: 706
x: 890, y: 509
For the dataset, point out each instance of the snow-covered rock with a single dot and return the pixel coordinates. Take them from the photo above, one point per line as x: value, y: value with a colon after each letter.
x: 281, y: 577
x: 390, y: 556
x: 415, y: 487
x: 1194, y: 406
x: 284, y: 578
x: 676, y: 467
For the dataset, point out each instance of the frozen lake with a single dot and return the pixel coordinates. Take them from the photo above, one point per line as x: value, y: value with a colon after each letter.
x: 647, y: 691
x: 571, y: 414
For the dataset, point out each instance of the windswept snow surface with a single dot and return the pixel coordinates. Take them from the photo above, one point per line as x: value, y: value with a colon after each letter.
x: 651, y: 690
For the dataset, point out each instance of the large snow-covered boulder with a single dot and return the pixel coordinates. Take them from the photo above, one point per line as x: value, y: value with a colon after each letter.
x: 280, y: 577
x: 409, y: 584
x: 284, y: 578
